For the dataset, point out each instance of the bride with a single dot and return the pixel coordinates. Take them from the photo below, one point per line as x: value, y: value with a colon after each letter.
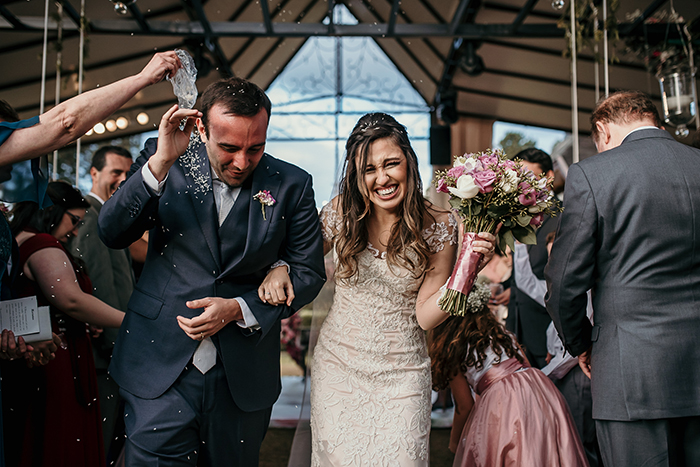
x: 393, y: 250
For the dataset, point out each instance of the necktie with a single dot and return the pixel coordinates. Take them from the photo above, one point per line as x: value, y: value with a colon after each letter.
x: 204, y: 357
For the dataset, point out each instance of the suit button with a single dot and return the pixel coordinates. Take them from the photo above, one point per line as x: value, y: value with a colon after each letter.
x: 219, y: 281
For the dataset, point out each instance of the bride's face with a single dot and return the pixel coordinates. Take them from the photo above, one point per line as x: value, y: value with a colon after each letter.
x: 386, y: 174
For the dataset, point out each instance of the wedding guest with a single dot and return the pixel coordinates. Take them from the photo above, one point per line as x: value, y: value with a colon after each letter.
x: 527, y: 318
x: 561, y: 367
x: 520, y: 418
x: 112, y: 279
x: 370, y: 375
x: 631, y: 232
x: 63, y: 392
x: 38, y: 353
x: 11, y: 348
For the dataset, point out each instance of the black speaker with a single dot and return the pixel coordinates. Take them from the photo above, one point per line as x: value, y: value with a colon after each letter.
x: 440, y: 145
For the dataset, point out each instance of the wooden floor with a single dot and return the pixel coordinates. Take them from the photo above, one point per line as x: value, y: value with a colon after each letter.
x: 278, y: 442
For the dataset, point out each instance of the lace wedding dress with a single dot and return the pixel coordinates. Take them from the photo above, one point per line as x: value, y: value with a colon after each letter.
x: 370, y: 376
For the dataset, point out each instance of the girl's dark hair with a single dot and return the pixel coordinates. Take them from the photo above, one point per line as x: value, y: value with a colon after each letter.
x: 448, y: 344
x: 406, y: 246
x: 27, y: 213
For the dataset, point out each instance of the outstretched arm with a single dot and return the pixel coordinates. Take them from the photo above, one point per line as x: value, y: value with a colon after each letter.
x: 71, y: 119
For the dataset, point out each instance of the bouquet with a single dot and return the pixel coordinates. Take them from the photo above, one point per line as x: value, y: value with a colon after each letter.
x: 489, y: 191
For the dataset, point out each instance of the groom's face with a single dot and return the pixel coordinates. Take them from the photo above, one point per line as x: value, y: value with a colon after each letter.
x: 235, y: 144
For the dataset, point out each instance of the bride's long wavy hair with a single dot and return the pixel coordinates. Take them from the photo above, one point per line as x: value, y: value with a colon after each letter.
x: 406, y: 246
x: 448, y: 344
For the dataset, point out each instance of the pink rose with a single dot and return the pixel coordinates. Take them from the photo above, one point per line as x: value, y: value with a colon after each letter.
x: 442, y: 186
x: 537, y: 220
x: 488, y: 161
x: 456, y: 172
x: 529, y: 196
x: 509, y: 164
x: 484, y: 180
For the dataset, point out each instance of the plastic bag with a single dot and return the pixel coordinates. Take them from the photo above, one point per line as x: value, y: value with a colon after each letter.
x: 184, y: 81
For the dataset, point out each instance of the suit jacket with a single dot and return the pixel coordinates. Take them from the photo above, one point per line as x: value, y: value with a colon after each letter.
x: 631, y: 231
x: 110, y: 272
x: 527, y: 319
x: 191, y: 257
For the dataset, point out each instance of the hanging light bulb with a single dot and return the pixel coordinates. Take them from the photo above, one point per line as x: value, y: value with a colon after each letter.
x: 120, y: 8
x: 90, y: 132
x: 558, y: 4
x: 142, y: 118
x: 99, y: 128
x: 111, y: 125
x: 122, y: 123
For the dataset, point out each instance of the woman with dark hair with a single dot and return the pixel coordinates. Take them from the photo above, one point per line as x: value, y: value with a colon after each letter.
x: 520, y: 418
x: 370, y: 375
x: 52, y: 415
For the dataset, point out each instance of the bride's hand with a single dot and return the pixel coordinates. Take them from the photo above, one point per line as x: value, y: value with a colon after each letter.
x: 486, y: 245
x: 277, y: 288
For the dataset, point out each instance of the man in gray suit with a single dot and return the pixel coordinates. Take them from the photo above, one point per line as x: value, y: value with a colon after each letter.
x: 631, y: 232
x: 111, y: 275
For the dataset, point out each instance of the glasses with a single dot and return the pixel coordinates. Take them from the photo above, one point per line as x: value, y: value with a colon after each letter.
x: 76, y: 220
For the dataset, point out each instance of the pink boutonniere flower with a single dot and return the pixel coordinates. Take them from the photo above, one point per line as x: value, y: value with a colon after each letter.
x: 265, y: 199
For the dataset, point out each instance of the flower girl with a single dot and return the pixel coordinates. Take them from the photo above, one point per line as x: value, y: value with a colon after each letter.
x: 519, y: 417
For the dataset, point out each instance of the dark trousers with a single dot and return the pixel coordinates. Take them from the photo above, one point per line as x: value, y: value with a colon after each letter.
x: 194, y: 423
x: 673, y: 442
x: 576, y: 389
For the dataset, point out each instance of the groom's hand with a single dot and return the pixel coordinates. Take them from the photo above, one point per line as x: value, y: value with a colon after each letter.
x: 172, y: 142
x: 218, y: 312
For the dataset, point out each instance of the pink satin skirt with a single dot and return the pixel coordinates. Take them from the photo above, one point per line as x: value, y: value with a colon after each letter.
x: 520, y: 420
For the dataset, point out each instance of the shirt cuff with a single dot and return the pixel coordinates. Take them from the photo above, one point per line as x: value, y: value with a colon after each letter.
x: 151, y: 181
x: 279, y: 263
x: 248, y: 320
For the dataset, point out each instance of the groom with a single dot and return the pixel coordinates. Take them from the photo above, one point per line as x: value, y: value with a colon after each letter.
x: 197, y: 357
x: 631, y: 232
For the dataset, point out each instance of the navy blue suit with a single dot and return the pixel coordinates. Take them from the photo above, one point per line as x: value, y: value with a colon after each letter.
x: 191, y: 257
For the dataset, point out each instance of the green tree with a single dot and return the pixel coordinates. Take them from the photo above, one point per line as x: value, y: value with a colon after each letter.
x: 514, y: 142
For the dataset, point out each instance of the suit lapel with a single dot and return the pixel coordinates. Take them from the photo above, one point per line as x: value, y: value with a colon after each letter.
x: 197, y: 172
x: 263, y: 179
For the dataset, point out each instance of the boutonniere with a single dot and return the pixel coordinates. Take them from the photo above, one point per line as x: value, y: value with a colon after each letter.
x: 265, y: 199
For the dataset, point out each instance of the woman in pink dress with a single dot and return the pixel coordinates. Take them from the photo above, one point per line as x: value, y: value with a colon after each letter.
x: 519, y: 418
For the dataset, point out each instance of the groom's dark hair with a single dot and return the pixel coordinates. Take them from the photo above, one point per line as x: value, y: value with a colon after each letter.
x: 238, y: 96
x: 536, y: 156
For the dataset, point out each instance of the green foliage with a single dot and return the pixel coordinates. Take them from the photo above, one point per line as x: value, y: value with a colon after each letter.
x: 589, y: 27
x: 514, y: 142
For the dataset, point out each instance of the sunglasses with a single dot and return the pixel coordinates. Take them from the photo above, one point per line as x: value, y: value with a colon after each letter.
x: 76, y: 220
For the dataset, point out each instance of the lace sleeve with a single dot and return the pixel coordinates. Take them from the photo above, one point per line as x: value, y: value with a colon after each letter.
x: 330, y: 222
x: 439, y: 233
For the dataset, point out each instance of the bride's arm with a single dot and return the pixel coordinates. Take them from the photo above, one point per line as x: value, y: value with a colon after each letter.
x: 440, y: 267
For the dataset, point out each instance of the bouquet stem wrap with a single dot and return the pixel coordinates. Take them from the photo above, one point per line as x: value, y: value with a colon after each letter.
x: 454, y: 300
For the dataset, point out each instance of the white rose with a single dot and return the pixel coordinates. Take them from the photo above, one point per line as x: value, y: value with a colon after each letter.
x: 470, y: 164
x: 534, y: 209
x: 509, y: 181
x: 466, y: 188
x: 459, y: 161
